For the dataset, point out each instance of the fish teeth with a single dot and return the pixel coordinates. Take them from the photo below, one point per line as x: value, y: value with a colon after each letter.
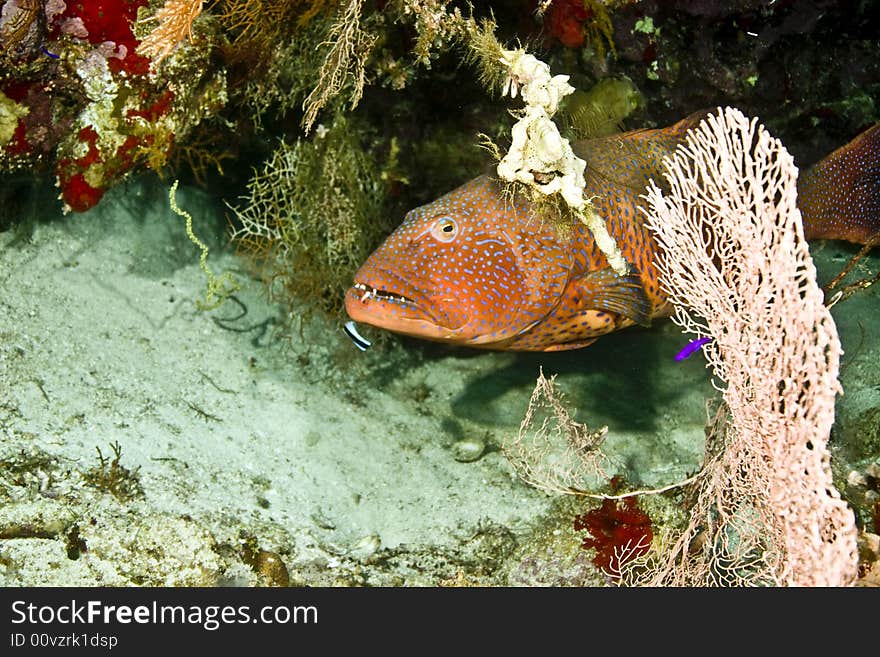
x: 367, y: 291
x: 373, y: 293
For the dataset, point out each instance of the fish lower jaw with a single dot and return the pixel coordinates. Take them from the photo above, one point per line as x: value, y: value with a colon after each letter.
x: 395, y: 316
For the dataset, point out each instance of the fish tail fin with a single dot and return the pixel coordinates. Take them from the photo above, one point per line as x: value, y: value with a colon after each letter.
x: 839, y: 198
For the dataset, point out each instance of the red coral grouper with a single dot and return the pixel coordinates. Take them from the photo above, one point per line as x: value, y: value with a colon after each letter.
x: 474, y: 268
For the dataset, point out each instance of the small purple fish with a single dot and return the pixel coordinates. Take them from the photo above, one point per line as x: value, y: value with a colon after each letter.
x: 51, y: 54
x: 691, y: 347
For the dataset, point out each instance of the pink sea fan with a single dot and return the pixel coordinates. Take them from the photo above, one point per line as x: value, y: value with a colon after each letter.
x: 736, y: 267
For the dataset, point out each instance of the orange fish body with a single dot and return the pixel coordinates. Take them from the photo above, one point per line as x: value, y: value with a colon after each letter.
x: 477, y: 269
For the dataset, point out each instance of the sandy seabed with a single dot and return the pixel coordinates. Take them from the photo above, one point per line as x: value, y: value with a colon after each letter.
x: 144, y: 441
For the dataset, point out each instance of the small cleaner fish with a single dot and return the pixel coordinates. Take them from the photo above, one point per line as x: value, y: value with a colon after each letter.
x: 475, y: 268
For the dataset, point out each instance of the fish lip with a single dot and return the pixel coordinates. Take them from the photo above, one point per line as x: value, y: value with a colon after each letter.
x: 366, y: 292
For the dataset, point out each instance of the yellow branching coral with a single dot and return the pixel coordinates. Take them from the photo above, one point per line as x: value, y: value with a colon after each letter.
x: 219, y: 287
x: 486, y: 54
x: 175, y: 19
x: 263, y: 20
x: 349, y: 47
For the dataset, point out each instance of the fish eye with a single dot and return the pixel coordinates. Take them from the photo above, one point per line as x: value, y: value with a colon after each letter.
x: 444, y: 229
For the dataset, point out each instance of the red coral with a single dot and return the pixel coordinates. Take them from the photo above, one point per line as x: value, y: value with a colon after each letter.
x: 157, y: 109
x: 47, y: 120
x: 88, y: 136
x: 619, y: 532
x: 110, y: 20
x: 17, y: 91
x: 565, y: 19
x: 126, y: 151
x: 79, y: 194
x: 83, y: 156
x: 76, y: 192
x: 19, y: 144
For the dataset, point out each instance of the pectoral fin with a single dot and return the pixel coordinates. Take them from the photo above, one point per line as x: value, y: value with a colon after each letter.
x: 596, y: 304
x: 606, y: 290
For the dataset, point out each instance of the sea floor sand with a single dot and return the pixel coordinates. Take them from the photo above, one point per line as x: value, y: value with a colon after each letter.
x: 144, y: 441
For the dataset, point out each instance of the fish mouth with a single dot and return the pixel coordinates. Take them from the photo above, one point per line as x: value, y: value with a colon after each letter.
x: 361, y: 305
x: 393, y: 310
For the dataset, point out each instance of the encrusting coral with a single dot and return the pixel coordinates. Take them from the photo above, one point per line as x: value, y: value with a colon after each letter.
x: 88, y: 103
x: 540, y: 158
